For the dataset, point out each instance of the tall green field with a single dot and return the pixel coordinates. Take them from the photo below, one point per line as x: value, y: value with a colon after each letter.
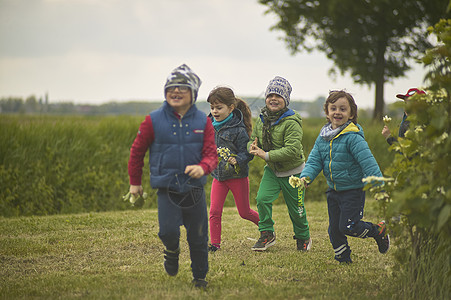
x: 75, y: 164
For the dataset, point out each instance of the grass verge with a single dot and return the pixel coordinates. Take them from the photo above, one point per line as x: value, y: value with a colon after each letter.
x: 118, y: 255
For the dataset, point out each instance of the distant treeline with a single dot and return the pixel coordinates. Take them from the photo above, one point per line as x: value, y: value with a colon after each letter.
x: 34, y: 105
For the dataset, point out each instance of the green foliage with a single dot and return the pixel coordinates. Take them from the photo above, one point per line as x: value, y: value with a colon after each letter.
x: 419, y: 201
x: 52, y: 165
x: 372, y: 40
x: 73, y: 164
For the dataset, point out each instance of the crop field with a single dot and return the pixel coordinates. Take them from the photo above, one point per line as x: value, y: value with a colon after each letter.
x: 76, y: 164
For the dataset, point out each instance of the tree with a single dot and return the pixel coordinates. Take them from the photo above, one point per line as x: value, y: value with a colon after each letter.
x: 31, y: 104
x: 373, y: 40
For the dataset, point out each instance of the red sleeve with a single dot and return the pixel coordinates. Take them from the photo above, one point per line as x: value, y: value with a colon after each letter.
x: 209, y: 155
x: 144, y: 138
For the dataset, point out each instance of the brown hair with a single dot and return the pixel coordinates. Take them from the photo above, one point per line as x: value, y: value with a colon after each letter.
x: 226, y: 96
x: 334, y: 96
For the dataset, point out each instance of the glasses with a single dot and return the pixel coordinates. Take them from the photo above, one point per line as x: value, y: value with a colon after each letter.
x: 181, y: 88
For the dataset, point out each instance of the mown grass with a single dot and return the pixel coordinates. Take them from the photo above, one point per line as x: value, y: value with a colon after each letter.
x: 118, y: 255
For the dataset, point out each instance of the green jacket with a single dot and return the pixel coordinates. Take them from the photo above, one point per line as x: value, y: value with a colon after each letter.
x: 286, y: 135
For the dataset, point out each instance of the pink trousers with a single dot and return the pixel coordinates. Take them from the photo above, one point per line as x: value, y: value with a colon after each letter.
x: 219, y: 191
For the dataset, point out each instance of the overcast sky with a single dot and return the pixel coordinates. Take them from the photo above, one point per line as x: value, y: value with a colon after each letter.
x: 95, y: 51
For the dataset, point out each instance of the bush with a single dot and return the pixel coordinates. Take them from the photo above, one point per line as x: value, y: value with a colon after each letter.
x: 419, y: 204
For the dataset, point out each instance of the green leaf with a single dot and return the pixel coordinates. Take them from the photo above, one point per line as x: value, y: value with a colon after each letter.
x: 443, y: 216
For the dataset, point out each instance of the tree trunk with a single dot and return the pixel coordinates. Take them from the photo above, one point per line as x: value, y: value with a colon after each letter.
x: 379, y: 104
x: 380, y: 81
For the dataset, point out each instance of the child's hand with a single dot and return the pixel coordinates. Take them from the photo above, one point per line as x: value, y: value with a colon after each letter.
x: 136, y: 190
x: 304, y: 182
x: 386, y: 132
x: 254, y: 145
x: 255, y: 150
x: 232, y: 161
x: 258, y: 152
x: 135, y: 196
x: 194, y: 171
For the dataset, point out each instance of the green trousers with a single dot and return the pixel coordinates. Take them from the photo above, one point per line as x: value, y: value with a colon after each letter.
x: 268, y: 192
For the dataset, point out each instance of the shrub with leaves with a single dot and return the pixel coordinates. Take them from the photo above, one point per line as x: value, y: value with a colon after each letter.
x: 419, y: 198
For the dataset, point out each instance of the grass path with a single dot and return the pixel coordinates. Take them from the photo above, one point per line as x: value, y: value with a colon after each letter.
x: 117, y: 255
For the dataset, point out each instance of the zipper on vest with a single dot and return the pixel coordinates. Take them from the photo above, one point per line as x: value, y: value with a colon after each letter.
x: 181, y: 138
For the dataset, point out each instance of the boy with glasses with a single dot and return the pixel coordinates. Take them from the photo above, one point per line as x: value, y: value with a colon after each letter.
x: 182, y: 151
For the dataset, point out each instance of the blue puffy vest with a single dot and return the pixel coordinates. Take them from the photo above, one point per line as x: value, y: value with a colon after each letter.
x: 178, y: 143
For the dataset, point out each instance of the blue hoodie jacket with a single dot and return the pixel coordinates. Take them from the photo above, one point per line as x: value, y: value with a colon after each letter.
x: 345, y: 160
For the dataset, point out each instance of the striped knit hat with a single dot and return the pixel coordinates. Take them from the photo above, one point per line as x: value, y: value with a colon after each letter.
x: 279, y: 86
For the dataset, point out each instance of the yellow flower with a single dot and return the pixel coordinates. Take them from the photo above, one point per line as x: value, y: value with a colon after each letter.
x: 295, y: 181
x: 370, y: 179
x: 418, y: 129
x: 135, y: 201
x: 441, y: 138
x: 387, y: 119
x: 224, y: 154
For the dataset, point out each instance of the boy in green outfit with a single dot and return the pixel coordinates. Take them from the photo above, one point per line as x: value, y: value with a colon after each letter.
x: 277, y: 138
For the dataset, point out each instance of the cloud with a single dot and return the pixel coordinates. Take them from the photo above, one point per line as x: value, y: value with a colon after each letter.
x: 101, y: 50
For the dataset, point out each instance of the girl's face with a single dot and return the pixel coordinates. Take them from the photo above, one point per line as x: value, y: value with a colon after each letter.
x: 339, y: 112
x: 220, y: 111
x: 274, y: 102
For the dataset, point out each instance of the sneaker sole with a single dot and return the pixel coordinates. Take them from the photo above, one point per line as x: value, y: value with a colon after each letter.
x: 170, y: 272
x: 266, y: 246
x: 388, y: 239
x: 309, y: 245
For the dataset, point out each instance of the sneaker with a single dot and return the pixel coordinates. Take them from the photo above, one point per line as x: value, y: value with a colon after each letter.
x: 171, y: 262
x: 346, y: 261
x: 303, y: 245
x: 343, y: 254
x: 266, y: 240
x: 199, y: 283
x: 213, y: 248
x: 382, y: 238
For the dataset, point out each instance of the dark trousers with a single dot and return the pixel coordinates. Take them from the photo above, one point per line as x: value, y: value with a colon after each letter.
x: 345, y: 210
x: 195, y: 220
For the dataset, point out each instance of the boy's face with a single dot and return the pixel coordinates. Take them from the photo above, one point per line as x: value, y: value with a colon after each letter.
x: 179, y: 98
x: 339, y: 112
x: 274, y: 102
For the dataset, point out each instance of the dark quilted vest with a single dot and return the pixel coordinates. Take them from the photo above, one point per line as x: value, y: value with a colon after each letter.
x: 178, y: 143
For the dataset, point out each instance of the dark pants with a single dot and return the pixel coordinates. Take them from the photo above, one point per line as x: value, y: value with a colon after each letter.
x: 345, y: 210
x: 195, y: 220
